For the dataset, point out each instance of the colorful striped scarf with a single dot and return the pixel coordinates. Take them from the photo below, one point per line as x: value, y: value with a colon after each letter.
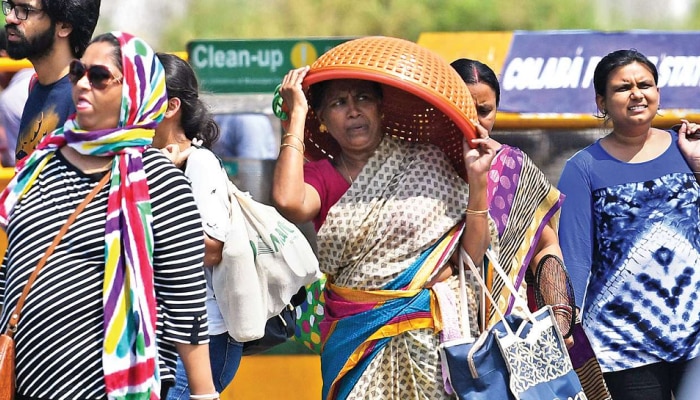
x: 129, y: 358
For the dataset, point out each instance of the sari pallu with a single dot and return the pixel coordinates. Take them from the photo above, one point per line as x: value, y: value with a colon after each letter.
x: 375, y: 241
x: 404, y: 200
x: 521, y: 203
x: 358, y: 324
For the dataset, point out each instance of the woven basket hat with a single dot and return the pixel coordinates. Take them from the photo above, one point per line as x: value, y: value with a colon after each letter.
x: 424, y: 99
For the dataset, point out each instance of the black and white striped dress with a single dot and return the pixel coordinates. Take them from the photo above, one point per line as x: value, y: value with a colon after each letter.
x: 60, y: 334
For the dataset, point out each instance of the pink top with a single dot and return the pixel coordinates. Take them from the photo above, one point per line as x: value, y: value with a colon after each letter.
x: 329, y: 184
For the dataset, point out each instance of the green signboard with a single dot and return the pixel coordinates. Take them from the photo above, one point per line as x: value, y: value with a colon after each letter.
x: 252, y: 66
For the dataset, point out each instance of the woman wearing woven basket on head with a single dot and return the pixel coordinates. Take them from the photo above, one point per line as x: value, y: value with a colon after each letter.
x: 380, y: 206
x: 120, y: 294
x: 389, y: 209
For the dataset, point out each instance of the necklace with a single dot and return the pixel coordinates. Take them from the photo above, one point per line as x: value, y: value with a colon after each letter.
x: 345, y: 167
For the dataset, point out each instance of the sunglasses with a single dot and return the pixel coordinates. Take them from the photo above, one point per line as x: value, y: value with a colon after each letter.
x: 99, y: 76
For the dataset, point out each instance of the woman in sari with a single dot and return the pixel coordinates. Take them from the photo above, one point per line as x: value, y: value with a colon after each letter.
x: 546, y: 271
x: 386, y: 212
x: 544, y: 255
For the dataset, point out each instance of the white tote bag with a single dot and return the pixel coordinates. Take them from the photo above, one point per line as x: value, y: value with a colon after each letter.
x: 266, y: 259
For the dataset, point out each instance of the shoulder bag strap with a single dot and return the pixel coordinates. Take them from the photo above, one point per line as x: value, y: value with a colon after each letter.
x: 14, y: 318
x: 464, y: 258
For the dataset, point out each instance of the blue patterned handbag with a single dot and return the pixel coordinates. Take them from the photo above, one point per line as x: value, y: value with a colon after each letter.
x: 476, y: 369
x: 521, y: 358
x: 538, y: 362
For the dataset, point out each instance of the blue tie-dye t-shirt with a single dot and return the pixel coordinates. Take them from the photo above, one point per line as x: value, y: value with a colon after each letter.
x: 630, y: 234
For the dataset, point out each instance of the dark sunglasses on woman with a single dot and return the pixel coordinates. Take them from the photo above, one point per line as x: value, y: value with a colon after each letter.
x: 99, y: 76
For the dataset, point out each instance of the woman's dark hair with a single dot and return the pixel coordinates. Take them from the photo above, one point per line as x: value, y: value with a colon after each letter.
x: 473, y: 72
x: 317, y: 90
x: 616, y: 59
x: 181, y: 82
x: 82, y: 15
x: 117, y: 50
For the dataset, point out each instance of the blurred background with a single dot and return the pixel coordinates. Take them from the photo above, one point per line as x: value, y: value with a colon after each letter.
x: 169, y: 25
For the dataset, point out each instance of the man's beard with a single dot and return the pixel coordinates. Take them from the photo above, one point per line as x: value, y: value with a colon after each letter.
x: 35, y: 48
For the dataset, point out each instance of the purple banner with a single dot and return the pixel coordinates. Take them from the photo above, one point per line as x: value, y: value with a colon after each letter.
x: 552, y: 72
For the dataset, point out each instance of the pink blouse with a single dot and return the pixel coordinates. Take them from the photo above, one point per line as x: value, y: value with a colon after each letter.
x: 329, y: 184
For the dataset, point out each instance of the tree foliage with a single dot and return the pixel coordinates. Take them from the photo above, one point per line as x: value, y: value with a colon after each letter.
x: 218, y: 19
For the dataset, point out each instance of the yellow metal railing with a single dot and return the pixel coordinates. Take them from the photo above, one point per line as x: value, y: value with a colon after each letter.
x: 513, y: 121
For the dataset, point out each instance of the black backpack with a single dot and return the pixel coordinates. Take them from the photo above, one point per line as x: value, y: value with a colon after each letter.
x: 278, y: 328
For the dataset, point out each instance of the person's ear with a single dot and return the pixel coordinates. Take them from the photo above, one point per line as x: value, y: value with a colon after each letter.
x: 600, y: 102
x: 173, y: 107
x: 63, y: 29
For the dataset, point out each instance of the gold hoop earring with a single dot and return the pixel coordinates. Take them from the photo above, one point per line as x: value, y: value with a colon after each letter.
x: 322, y: 128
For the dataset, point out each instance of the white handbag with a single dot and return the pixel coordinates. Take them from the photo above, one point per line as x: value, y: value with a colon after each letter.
x: 266, y: 259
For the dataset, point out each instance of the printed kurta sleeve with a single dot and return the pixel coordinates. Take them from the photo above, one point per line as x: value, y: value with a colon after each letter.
x: 576, y: 226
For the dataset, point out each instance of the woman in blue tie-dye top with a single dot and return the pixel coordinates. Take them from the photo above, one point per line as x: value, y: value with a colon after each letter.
x: 630, y: 234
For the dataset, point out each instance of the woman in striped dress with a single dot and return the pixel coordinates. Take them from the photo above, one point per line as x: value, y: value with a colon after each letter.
x: 124, y: 290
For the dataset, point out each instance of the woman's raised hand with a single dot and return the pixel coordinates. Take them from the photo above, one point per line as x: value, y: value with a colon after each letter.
x: 689, y: 144
x: 293, y: 94
x: 175, y: 155
x: 478, y: 160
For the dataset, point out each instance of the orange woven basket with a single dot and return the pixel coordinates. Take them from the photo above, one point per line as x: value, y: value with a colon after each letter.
x: 424, y: 99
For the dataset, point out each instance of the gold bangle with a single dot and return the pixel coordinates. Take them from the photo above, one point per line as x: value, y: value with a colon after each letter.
x: 477, y: 212
x: 283, y: 145
x: 286, y: 135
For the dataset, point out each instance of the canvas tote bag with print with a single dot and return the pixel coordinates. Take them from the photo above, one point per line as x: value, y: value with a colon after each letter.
x: 266, y: 259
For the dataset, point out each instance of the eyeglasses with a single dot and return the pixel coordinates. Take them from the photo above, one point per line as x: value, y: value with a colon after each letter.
x: 99, y: 76
x: 22, y: 11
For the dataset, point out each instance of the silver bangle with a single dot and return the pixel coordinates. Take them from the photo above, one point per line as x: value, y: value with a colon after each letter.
x: 208, y: 396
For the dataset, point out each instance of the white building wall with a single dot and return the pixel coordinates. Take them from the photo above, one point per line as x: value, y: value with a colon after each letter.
x: 146, y: 19
x: 641, y: 14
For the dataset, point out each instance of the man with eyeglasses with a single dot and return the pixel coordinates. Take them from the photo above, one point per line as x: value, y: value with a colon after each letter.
x: 50, y: 34
x: 12, y: 99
